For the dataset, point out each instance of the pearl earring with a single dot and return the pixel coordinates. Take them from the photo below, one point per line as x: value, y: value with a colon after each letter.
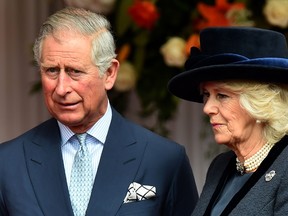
x: 258, y: 121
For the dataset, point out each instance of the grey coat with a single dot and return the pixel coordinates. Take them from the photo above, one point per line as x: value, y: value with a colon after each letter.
x: 260, y: 195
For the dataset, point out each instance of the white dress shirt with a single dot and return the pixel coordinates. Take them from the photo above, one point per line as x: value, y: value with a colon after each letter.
x: 96, y: 137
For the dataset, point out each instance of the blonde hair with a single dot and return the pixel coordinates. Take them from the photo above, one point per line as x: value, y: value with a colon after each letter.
x: 266, y: 102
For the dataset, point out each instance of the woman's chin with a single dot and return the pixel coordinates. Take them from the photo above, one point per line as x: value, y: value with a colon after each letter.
x: 221, y: 141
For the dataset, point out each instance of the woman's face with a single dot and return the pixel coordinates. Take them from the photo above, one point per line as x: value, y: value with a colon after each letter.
x: 231, y: 124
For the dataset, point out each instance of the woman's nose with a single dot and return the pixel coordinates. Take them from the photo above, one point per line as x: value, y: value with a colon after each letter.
x: 210, y: 107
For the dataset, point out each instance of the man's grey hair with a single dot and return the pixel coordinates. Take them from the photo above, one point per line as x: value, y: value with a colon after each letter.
x: 86, y: 23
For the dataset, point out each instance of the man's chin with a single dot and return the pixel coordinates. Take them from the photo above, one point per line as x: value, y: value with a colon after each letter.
x: 70, y: 122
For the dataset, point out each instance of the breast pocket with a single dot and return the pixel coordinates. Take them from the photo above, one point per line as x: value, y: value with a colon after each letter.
x: 140, y: 208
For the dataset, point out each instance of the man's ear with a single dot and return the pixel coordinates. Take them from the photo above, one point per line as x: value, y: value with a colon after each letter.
x: 111, y: 74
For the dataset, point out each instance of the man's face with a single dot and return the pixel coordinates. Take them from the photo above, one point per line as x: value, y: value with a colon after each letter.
x: 75, y: 93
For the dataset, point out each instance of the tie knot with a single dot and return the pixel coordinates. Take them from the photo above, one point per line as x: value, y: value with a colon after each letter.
x: 83, y: 150
x: 81, y: 138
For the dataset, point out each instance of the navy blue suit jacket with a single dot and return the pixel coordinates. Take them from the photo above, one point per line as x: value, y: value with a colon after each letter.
x: 33, y: 183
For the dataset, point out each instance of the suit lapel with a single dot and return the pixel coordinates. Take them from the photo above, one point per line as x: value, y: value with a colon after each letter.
x: 46, y: 169
x: 119, y: 162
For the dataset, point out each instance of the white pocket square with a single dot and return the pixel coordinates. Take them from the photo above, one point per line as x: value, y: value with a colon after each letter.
x: 138, y: 192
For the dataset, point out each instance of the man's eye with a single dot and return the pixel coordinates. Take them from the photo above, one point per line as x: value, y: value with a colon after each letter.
x: 52, y: 70
x: 72, y: 71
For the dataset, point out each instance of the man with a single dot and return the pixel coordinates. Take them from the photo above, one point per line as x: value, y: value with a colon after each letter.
x: 119, y: 169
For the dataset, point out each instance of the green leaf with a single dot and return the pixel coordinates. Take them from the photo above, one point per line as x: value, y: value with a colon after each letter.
x: 122, y: 18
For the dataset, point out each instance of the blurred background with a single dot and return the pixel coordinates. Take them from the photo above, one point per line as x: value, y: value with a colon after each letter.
x: 153, y: 39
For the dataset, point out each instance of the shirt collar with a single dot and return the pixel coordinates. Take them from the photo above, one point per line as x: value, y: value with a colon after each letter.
x: 99, y: 130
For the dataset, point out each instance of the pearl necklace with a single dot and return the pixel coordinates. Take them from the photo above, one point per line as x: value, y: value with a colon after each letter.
x: 254, y: 162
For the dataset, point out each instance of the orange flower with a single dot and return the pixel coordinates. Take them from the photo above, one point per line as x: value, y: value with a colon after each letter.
x: 216, y: 15
x: 193, y: 41
x: 123, y: 53
x: 144, y: 14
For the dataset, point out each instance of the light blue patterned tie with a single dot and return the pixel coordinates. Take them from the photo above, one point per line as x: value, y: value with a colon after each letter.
x: 81, y: 182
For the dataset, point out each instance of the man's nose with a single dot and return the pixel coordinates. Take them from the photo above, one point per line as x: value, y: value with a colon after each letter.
x: 63, y: 83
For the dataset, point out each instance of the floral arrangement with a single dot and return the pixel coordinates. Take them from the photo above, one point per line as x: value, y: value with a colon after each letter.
x: 154, y: 38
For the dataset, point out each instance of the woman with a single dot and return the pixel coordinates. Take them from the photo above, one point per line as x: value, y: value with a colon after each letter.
x: 240, y: 75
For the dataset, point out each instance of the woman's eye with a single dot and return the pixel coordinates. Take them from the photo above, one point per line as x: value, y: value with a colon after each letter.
x: 222, y: 96
x: 205, y: 96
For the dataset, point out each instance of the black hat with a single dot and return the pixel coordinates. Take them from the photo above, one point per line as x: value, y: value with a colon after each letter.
x: 232, y: 53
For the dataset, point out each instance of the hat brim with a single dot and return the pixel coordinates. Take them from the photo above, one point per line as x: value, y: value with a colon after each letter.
x: 186, y: 84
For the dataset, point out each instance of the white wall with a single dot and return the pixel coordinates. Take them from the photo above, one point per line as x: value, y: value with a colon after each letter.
x: 19, y: 24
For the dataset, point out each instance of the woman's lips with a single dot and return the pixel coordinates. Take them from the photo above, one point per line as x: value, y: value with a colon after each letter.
x: 216, y: 125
